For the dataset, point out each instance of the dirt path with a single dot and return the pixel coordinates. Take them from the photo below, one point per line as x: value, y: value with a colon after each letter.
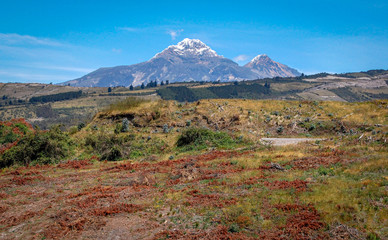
x: 286, y: 141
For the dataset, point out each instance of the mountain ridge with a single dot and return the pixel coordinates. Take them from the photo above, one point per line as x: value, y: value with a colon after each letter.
x: 189, y: 60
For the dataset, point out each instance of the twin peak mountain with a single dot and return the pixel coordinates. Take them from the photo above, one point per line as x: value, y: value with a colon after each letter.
x: 189, y: 60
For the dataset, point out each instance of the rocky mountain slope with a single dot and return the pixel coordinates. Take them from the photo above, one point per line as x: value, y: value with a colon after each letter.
x: 189, y: 60
x: 264, y: 66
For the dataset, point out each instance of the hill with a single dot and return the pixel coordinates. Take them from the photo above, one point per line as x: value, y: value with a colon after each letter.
x: 44, y: 105
x: 162, y: 169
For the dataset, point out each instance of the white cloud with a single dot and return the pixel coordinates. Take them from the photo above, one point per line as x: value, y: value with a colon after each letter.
x: 68, y: 69
x: 174, y: 33
x: 28, y: 77
x: 116, y: 50
x: 128, y: 29
x: 14, y: 38
x: 241, y: 58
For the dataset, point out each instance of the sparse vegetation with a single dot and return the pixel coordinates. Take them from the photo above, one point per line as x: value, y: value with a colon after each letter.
x: 201, y: 138
x: 126, y: 104
x: 198, y: 169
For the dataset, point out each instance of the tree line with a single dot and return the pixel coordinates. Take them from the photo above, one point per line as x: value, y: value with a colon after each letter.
x: 56, y: 97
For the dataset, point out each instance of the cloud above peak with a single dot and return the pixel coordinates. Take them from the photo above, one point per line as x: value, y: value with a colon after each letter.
x: 174, y: 33
x: 241, y: 58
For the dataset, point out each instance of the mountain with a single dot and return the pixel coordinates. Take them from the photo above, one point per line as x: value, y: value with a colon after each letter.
x: 189, y: 60
x: 264, y: 67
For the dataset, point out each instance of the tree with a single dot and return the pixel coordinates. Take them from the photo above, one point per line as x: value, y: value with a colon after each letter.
x: 161, y: 83
x: 142, y: 86
x: 131, y: 87
x: 109, y: 89
x: 167, y: 82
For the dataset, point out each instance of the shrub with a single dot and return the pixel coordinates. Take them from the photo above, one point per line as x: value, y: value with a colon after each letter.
x: 234, y: 228
x: 40, y: 147
x: 165, y: 128
x: 114, y: 154
x: 325, y: 171
x: 73, y: 130
x: 129, y: 145
x: 11, y: 131
x: 80, y: 126
x: 201, y: 138
x: 125, y: 125
x: 118, y: 128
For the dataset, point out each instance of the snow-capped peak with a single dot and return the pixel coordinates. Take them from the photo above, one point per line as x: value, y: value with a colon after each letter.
x: 190, y: 43
x: 258, y: 57
x: 190, y: 47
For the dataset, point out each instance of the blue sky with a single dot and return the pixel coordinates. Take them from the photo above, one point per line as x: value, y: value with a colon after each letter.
x: 55, y: 41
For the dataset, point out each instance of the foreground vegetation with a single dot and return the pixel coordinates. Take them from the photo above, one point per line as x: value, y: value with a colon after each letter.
x: 166, y: 170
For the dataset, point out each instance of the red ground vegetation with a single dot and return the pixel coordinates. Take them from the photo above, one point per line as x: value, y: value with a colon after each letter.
x: 116, y: 208
x: 22, y: 180
x: 314, y: 162
x: 217, y: 233
x: 197, y: 199
x: 15, y: 220
x: 303, y: 222
x: 78, y: 164
x: 298, y: 185
x: 91, y: 208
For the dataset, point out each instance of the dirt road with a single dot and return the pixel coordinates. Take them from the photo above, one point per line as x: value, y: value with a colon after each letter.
x: 286, y: 141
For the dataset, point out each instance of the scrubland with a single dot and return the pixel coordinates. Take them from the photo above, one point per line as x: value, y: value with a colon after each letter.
x: 167, y: 170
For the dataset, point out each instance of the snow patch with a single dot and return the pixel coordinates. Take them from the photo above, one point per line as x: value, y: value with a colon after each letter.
x: 190, y: 47
x: 258, y: 57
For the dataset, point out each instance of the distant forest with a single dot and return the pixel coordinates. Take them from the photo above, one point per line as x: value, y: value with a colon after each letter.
x: 56, y: 97
x: 238, y: 90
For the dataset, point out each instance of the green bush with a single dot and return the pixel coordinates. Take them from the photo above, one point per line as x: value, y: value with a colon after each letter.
x: 114, y: 154
x: 201, y: 138
x: 280, y: 129
x: 80, y: 126
x: 40, y: 147
x: 129, y: 145
x: 11, y: 131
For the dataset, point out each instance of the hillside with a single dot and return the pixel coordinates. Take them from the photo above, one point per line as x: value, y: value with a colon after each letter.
x: 49, y: 107
x: 146, y: 169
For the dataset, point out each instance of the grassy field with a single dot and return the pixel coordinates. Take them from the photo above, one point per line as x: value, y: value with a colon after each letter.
x: 199, y: 170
